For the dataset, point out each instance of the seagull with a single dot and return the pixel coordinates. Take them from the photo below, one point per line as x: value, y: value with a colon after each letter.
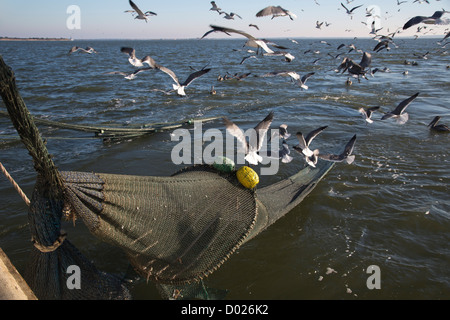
x: 129, y: 76
x: 287, y: 56
x: 374, y: 30
x: 247, y: 57
x: 345, y: 156
x: 140, y: 15
x: 303, y: 146
x: 438, y: 127
x: 382, y: 45
x: 253, y: 25
x: 282, y: 154
x: 302, y: 82
x: 215, y: 7
x: 310, y: 160
x: 319, y: 25
x: 252, y: 41
x: 135, y: 61
x: 230, y: 16
x: 434, y: 19
x: 367, y: 113
x: 179, y: 87
x: 86, y: 50
x: 294, y: 75
x: 252, y: 147
x: 350, y: 12
x: 398, y: 112
x: 275, y: 12
x: 282, y: 130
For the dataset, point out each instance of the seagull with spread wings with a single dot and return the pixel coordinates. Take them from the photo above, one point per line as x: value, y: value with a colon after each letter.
x: 345, y: 156
x: 398, y: 112
x: 131, y: 52
x: 139, y: 14
x: 85, y: 50
x: 275, y: 11
x: 434, y: 19
x: 304, y: 142
x: 252, y: 41
x: 350, y: 12
x: 256, y: 139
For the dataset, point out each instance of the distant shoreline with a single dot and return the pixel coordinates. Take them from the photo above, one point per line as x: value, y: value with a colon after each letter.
x: 33, y: 39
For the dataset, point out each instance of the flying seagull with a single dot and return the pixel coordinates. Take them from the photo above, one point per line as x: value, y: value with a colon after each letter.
x: 438, y: 127
x: 303, y: 143
x: 398, y: 112
x: 275, y: 12
x: 139, y: 14
x: 294, y: 75
x: 129, y: 76
x: 230, y: 16
x: 350, y: 12
x: 345, y: 156
x: 179, y: 87
x: 215, y: 7
x: 255, y: 26
x: 136, y: 61
x: 252, y: 41
x: 256, y: 139
x: 434, y: 19
x: 367, y: 113
x: 86, y: 50
x: 302, y: 82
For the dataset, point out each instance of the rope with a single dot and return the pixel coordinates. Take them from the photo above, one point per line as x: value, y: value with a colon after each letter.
x: 15, y: 185
x: 45, y: 249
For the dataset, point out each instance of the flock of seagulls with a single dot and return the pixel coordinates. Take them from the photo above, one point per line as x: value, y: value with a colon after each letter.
x: 253, y: 145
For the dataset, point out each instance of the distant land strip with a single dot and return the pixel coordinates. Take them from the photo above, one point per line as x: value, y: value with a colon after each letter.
x: 33, y: 39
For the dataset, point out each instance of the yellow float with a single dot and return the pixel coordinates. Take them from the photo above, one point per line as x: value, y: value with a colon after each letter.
x: 247, y: 177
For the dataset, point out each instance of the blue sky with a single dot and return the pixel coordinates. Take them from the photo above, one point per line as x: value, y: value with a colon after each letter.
x: 176, y: 19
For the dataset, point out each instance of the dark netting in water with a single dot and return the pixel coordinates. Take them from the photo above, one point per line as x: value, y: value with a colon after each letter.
x: 174, y: 229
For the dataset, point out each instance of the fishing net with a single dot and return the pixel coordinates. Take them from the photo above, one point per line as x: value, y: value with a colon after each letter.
x: 174, y: 230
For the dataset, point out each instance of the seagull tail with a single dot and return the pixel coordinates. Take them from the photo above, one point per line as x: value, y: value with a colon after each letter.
x: 286, y: 159
x: 402, y: 118
x: 179, y: 89
x: 350, y: 159
x: 253, y: 158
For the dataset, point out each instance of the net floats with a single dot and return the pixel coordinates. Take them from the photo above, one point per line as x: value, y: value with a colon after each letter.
x: 247, y: 177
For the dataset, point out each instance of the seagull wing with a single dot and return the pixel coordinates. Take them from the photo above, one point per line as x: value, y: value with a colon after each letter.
x: 366, y: 60
x: 306, y: 76
x: 402, y: 105
x: 301, y: 141
x: 262, y: 128
x: 194, y: 76
x: 169, y: 72
x: 413, y: 21
x: 130, y: 51
x: 355, y: 8
x: 345, y: 155
x: 345, y: 7
x: 313, y: 134
x: 349, y: 147
x: 230, y: 30
x: 135, y: 7
x: 266, y: 11
x: 235, y: 131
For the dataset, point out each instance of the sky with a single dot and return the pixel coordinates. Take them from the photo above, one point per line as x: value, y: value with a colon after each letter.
x: 184, y: 19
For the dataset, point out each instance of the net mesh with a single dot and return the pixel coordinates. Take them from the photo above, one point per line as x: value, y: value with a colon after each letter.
x: 174, y: 229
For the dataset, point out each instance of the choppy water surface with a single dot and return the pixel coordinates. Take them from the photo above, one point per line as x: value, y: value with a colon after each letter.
x: 390, y: 208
